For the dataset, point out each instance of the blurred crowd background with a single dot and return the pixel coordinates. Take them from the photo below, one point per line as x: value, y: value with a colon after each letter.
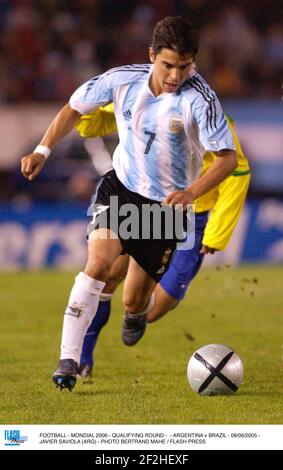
x: 49, y: 47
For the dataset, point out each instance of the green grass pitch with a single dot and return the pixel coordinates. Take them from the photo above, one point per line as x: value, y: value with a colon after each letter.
x: 146, y: 384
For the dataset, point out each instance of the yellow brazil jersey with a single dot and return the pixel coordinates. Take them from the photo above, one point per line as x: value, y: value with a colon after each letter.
x: 226, y: 200
x: 99, y: 123
x: 207, y: 201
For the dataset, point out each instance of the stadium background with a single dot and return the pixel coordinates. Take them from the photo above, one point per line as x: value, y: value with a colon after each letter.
x: 49, y: 47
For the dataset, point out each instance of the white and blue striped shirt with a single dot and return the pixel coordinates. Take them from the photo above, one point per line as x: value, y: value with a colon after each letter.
x: 162, y: 138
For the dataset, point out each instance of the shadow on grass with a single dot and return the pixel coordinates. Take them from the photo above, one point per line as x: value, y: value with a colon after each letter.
x: 93, y: 393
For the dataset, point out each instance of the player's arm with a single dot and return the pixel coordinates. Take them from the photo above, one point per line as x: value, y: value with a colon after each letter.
x: 223, y: 165
x: 88, y: 97
x: 61, y: 126
x: 225, y: 162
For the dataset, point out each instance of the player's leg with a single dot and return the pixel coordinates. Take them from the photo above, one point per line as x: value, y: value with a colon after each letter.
x: 83, y: 303
x: 117, y: 274
x: 99, y: 321
x: 163, y: 303
x: 182, y: 270
x: 137, y: 300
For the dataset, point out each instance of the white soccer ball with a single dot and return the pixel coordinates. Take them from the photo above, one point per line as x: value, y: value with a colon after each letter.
x: 215, y: 369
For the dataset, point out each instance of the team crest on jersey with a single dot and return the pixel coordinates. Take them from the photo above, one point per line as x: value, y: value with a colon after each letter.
x: 176, y: 124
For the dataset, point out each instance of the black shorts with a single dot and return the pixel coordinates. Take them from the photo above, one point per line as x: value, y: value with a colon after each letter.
x: 129, y: 215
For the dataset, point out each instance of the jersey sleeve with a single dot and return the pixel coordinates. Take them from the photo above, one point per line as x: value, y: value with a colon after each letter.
x: 98, y: 123
x: 214, y: 132
x: 92, y: 94
x: 226, y: 211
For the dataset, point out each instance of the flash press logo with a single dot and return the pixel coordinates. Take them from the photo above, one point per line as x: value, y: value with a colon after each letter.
x: 13, y: 437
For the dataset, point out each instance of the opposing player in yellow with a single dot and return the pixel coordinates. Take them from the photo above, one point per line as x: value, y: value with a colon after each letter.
x: 224, y: 203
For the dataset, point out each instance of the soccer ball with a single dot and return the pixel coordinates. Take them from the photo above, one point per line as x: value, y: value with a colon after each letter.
x: 215, y: 369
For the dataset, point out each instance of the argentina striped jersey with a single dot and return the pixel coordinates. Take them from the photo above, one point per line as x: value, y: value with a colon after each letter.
x: 162, y: 139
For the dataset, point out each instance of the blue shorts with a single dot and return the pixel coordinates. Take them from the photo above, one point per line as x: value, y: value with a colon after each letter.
x: 185, y: 263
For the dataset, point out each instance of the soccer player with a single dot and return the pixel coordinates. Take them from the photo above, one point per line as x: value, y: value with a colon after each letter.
x: 226, y: 200
x: 167, y: 117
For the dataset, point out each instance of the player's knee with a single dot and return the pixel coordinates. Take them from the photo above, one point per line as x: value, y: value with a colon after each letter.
x: 98, y: 268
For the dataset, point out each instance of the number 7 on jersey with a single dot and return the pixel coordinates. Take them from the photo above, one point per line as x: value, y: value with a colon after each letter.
x: 150, y: 140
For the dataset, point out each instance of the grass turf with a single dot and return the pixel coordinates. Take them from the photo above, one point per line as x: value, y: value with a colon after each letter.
x: 145, y: 384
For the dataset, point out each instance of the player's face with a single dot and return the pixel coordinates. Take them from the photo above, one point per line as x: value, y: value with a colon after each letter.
x: 170, y: 70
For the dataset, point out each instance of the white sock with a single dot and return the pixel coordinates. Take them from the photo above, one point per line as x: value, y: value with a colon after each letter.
x: 105, y: 297
x: 82, y: 307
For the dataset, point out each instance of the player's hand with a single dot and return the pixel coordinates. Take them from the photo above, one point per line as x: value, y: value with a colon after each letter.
x: 179, y: 197
x: 31, y: 165
x: 207, y: 249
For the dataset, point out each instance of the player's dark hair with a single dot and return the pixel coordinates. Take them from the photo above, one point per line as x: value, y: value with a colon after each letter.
x: 176, y: 33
